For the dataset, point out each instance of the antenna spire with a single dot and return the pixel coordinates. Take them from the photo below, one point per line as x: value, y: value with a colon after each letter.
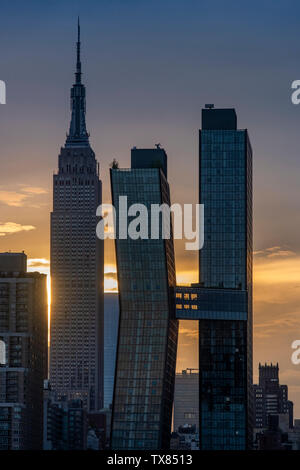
x: 78, y: 64
x: 78, y: 135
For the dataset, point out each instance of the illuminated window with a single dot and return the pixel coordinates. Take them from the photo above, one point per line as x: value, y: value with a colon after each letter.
x: 186, y: 306
x: 186, y: 296
x: 179, y: 306
x: 193, y: 296
x: 178, y: 295
x: 194, y: 307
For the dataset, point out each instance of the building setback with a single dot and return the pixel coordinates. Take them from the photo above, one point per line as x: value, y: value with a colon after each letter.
x: 77, y: 271
x: 23, y: 368
x: 148, y: 330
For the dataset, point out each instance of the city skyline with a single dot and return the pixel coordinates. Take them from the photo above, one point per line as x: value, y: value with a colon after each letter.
x: 271, y: 119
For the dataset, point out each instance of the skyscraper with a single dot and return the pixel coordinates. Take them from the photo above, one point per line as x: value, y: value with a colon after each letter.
x: 225, y: 341
x: 24, y: 333
x: 76, y: 353
x: 147, y: 339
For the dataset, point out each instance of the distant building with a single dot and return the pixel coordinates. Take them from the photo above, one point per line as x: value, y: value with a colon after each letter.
x: 111, y: 321
x: 65, y: 423
x: 23, y: 368
x: 270, y: 398
x: 99, y: 429
x: 186, y: 399
x: 271, y: 437
x: 185, y: 438
x: 276, y: 435
x: 294, y: 435
x: 186, y: 410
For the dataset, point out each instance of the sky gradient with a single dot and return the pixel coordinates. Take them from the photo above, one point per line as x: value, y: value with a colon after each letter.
x: 149, y: 66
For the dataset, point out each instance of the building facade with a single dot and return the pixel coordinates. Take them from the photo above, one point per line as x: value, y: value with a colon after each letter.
x: 77, y: 271
x: 24, y: 337
x: 186, y: 399
x: 225, y: 262
x: 186, y: 410
x: 111, y: 322
x: 148, y: 330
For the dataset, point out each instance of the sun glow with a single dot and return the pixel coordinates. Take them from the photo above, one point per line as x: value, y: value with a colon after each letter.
x: 42, y: 265
x: 110, y: 278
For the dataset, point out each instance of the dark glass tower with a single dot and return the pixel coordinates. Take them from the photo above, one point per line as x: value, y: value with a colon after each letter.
x: 147, y: 339
x: 225, y: 262
x: 76, y: 352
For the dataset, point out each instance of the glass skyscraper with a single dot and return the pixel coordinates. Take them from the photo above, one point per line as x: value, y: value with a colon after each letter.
x: 147, y: 340
x: 225, y: 262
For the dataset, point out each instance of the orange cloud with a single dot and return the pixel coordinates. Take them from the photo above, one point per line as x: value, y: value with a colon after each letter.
x: 8, y: 228
x: 274, y: 252
x: 12, y: 198
x: 277, y: 270
x: 19, y: 198
x: 34, y: 190
x: 41, y: 263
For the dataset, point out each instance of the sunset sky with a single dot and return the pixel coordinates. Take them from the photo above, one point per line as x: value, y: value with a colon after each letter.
x: 149, y: 67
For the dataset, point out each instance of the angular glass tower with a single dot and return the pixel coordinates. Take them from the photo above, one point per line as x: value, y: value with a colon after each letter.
x: 77, y: 274
x: 225, y: 262
x: 147, y: 339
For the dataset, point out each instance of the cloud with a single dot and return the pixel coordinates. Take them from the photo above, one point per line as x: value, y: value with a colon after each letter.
x: 12, y: 198
x: 34, y: 190
x: 110, y: 278
x: 111, y: 275
x: 190, y: 333
x: 20, y: 198
x: 42, y: 265
x: 37, y: 262
x: 281, y: 253
x: 289, y: 322
x: 8, y: 228
x: 274, y: 252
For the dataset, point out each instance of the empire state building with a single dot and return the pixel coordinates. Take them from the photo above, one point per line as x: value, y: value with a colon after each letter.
x: 77, y: 274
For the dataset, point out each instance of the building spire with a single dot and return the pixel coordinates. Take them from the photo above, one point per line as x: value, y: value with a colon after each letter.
x: 78, y: 64
x: 78, y: 135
